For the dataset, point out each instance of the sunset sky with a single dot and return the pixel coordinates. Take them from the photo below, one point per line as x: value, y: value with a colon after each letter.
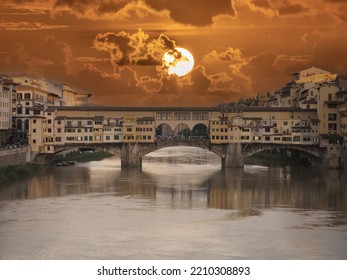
x: 113, y: 48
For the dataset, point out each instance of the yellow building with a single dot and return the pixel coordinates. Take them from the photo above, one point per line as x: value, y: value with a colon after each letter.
x: 145, y: 129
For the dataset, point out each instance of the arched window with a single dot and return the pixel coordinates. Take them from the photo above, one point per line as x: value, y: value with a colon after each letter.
x: 19, y: 124
x: 26, y: 124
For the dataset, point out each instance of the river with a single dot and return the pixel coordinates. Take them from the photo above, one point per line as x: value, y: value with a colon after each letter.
x: 180, y: 205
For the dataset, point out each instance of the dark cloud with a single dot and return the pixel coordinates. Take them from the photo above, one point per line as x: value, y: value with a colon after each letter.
x: 194, y: 12
x: 261, y: 3
x: 133, y: 49
x: 292, y: 9
x: 101, y: 7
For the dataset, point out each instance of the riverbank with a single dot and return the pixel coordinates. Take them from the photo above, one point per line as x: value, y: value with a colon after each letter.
x: 14, y: 172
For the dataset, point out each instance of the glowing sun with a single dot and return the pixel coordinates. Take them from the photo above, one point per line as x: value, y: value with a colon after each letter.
x: 178, y: 61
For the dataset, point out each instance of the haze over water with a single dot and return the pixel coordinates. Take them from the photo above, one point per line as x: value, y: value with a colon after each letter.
x: 181, y: 205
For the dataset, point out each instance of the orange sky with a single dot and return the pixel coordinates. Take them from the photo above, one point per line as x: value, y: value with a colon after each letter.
x: 113, y: 48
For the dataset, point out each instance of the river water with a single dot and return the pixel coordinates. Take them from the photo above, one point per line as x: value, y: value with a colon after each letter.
x: 181, y: 205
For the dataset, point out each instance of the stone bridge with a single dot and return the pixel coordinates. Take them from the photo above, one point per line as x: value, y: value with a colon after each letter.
x: 232, y: 154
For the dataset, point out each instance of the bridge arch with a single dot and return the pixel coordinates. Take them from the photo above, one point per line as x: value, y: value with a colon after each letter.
x: 182, y: 154
x: 314, y: 152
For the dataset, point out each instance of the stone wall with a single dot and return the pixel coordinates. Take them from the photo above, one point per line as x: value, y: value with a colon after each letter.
x: 14, y: 156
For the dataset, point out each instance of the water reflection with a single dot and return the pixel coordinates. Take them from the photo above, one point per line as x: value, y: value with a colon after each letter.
x: 192, y: 185
x: 175, y: 210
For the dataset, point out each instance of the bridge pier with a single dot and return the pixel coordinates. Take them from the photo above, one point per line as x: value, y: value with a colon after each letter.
x: 232, y: 156
x: 131, y: 155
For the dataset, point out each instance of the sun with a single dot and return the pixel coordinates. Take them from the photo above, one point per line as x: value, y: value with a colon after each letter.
x: 178, y: 61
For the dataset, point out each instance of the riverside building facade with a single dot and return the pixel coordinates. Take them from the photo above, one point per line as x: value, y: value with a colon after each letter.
x: 8, y: 92
x: 34, y: 94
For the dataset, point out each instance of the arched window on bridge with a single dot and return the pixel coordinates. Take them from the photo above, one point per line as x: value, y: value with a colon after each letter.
x: 164, y: 130
x: 200, y: 131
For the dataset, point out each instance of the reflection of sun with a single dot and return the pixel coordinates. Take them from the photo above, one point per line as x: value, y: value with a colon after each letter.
x: 178, y: 61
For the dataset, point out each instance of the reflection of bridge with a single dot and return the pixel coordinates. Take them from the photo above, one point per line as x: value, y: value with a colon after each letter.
x: 232, y: 154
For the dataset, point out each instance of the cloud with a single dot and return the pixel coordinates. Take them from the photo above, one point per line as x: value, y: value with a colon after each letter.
x: 289, y: 64
x: 116, y: 10
x: 20, y: 59
x: 194, y: 12
x: 51, y: 58
x: 234, y: 78
x: 178, y: 10
x: 292, y: 9
x: 22, y: 26
x: 133, y: 49
x: 278, y: 8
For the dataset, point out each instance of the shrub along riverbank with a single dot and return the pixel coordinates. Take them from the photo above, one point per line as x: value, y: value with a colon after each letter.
x: 14, y: 172
x: 278, y: 158
x: 83, y: 156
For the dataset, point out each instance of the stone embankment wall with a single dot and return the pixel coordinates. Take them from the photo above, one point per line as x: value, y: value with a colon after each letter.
x: 15, y: 156
x: 344, y: 158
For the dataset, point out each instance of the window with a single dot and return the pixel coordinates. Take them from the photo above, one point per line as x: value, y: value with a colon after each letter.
x: 286, y: 139
x: 182, y: 116
x: 27, y: 95
x: 164, y: 116
x: 89, y: 123
x: 116, y: 137
x: 34, y: 130
x: 57, y: 139
x: 200, y: 116
x: 129, y: 129
x: 59, y: 122
x: 34, y: 121
x: 108, y: 137
x: 59, y: 130
x: 332, y: 126
x: 267, y: 138
x: 330, y: 97
x: 27, y: 111
x: 332, y: 117
x: 34, y: 141
x: 79, y: 123
x: 49, y: 121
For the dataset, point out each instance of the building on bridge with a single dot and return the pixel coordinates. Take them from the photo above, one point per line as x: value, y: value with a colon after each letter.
x: 55, y: 128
